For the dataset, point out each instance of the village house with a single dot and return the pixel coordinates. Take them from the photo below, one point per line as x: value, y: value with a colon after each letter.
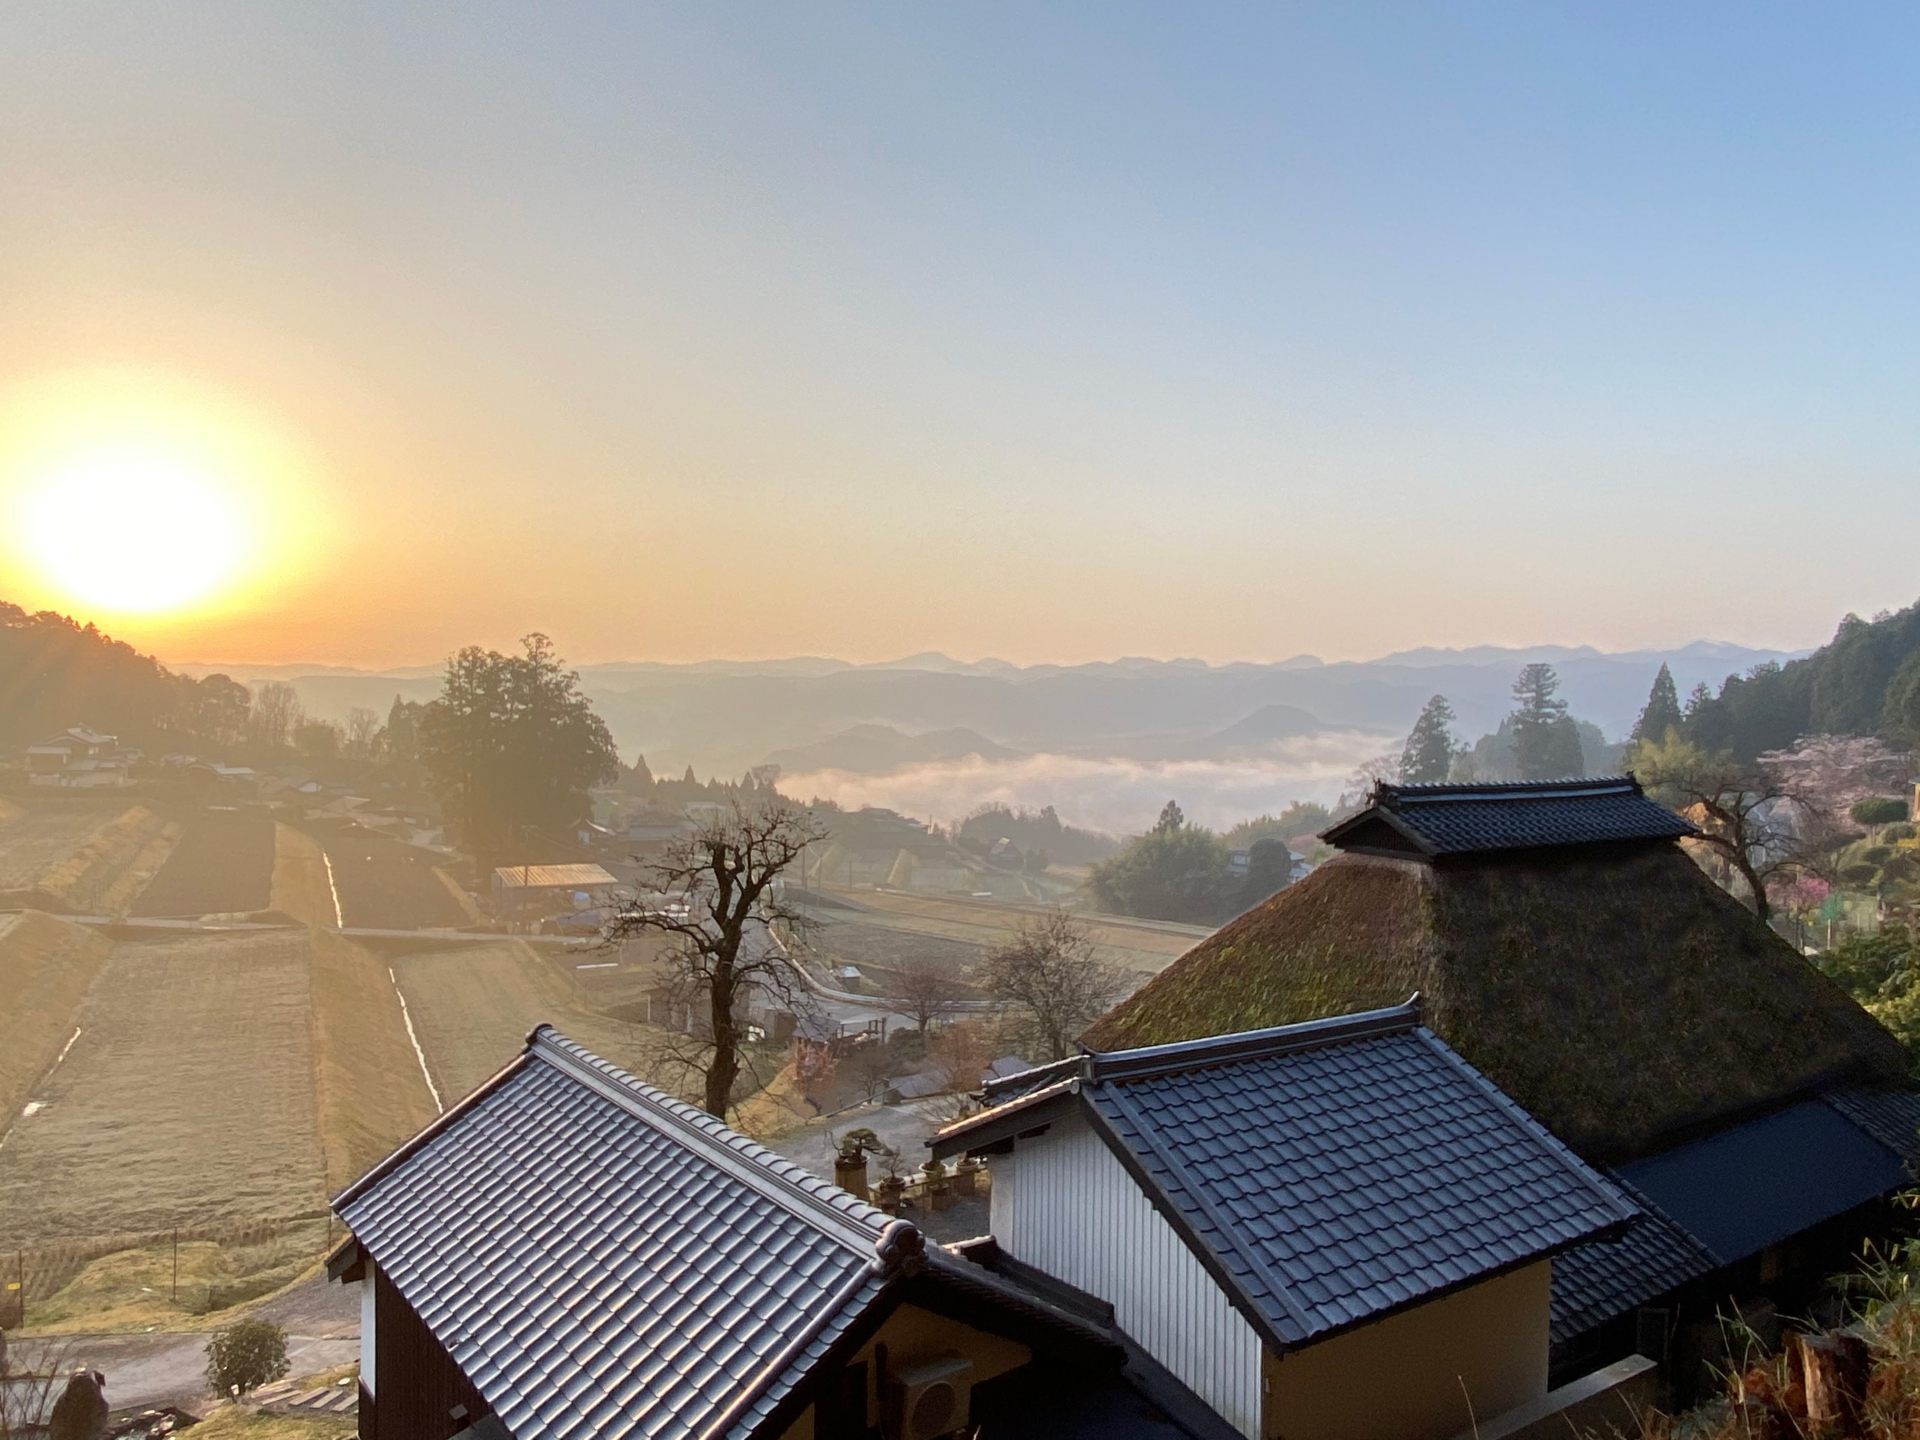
x: 79, y: 759
x: 1329, y: 1231
x: 1569, y: 950
x: 568, y: 1253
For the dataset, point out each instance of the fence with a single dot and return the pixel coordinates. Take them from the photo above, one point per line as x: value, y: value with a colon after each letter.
x: 196, y: 1268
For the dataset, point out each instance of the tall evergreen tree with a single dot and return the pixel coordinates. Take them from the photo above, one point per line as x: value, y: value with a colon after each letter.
x: 1428, y: 755
x: 1546, y: 744
x: 1662, y: 712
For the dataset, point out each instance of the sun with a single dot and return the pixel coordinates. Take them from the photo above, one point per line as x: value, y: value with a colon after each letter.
x: 126, y: 494
x: 133, y: 531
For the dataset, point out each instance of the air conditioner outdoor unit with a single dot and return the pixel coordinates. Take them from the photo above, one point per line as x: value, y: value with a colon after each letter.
x: 928, y: 1398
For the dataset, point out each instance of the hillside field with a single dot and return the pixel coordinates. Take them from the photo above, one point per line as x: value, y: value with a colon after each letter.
x: 472, y: 1007
x: 187, y: 1098
x: 223, y: 865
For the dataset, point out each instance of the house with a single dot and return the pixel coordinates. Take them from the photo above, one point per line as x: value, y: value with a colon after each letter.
x: 1337, y: 1230
x: 79, y: 759
x: 568, y: 1253
x: 1570, y: 951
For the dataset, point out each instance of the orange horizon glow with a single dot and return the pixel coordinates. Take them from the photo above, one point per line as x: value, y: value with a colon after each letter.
x: 132, y: 497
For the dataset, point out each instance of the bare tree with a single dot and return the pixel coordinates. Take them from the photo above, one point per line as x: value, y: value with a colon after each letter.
x: 716, y: 895
x: 1049, y: 976
x: 363, y: 731
x: 924, y: 990
x: 276, y: 714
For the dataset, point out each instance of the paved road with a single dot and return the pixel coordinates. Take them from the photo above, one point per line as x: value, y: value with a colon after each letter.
x: 162, y: 1367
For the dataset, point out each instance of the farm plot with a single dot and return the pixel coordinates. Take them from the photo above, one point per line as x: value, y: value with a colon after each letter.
x: 222, y: 865
x: 387, y: 885
x: 1142, y: 945
x: 35, y: 842
x: 472, y: 1008
x: 188, y: 1098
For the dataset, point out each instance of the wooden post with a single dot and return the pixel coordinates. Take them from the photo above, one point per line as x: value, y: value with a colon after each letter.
x: 1833, y: 1371
x: 176, y: 1265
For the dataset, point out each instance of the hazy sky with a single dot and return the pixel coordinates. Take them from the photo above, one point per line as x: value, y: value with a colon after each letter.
x: 1043, y: 331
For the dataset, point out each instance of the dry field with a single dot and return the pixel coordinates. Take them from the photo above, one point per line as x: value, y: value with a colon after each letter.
x: 46, y: 966
x: 1145, y: 945
x: 222, y: 865
x: 188, y: 1098
x: 386, y: 885
x: 473, y: 1006
x: 34, y: 842
x: 372, y: 1094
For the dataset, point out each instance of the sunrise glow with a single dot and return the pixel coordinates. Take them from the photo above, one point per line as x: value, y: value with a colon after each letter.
x: 140, y: 496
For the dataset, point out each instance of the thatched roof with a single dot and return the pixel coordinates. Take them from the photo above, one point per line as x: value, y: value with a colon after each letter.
x: 1617, y: 993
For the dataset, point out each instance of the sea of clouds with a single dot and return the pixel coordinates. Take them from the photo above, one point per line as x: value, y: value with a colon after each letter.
x: 1120, y: 796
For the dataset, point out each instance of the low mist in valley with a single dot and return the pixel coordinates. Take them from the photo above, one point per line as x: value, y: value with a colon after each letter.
x: 1117, y: 795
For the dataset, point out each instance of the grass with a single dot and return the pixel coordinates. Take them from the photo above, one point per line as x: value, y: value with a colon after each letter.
x: 36, y: 843
x: 187, y: 1099
x: 472, y: 1007
x: 300, y: 885
x: 239, y: 1423
x: 46, y: 966
x: 371, y: 1093
x: 140, y: 1288
x: 101, y: 876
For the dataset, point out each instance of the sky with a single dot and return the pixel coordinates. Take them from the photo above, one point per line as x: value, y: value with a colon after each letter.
x: 1047, y: 332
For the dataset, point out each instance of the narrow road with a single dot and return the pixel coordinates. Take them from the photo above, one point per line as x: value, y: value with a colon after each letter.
x: 169, y: 1367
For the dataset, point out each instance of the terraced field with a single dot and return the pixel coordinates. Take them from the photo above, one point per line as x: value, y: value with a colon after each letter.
x: 33, y: 842
x: 222, y: 865
x: 472, y: 1008
x: 1144, y: 945
x: 387, y: 885
x: 188, y: 1097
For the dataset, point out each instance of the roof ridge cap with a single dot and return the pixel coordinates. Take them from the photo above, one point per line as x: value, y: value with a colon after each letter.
x: 883, y: 1238
x: 1236, y: 1046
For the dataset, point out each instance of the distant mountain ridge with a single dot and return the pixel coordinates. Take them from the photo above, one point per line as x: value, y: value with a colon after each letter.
x: 723, y: 716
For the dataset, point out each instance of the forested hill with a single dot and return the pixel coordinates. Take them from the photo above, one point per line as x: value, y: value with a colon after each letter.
x: 55, y: 673
x: 1865, y: 681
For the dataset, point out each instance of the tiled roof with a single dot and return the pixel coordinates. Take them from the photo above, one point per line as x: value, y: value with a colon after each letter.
x: 1329, y: 1172
x: 599, y: 1258
x: 1731, y: 1191
x: 1467, y: 819
x: 1599, y: 1280
x: 1889, y: 1113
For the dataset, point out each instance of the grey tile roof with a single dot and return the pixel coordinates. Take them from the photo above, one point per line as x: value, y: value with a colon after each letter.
x: 1600, y: 1280
x: 601, y: 1259
x: 1464, y: 819
x: 1890, y: 1114
x: 1329, y: 1172
x: 1730, y: 1191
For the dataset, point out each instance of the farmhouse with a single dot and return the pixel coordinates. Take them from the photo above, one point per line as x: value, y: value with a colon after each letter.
x: 78, y: 759
x: 570, y: 1253
x: 1569, y: 950
x: 1330, y: 1231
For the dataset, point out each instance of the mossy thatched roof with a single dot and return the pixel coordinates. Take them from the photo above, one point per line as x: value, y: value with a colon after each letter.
x: 1620, y: 996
